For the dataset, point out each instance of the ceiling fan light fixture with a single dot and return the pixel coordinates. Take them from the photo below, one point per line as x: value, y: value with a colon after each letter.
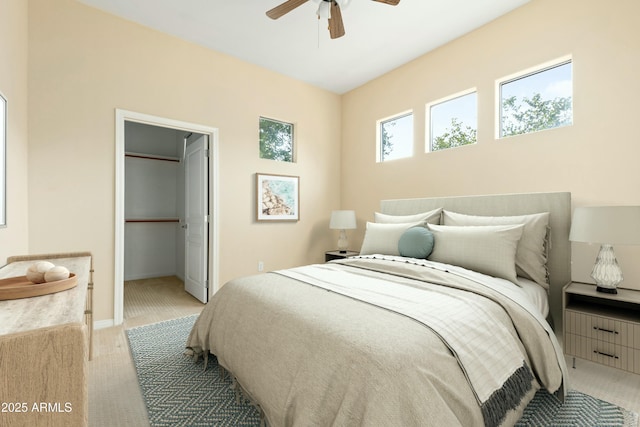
x: 324, y: 9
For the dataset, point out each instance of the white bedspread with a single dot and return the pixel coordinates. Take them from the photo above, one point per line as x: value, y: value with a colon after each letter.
x: 319, y: 356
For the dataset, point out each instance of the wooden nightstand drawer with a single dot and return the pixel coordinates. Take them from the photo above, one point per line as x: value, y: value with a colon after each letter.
x: 603, y: 328
x: 605, y: 353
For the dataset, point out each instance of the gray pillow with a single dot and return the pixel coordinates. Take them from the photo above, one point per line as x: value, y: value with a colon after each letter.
x: 416, y: 242
x: 489, y: 249
x: 531, y: 254
x: 431, y: 217
x: 383, y: 238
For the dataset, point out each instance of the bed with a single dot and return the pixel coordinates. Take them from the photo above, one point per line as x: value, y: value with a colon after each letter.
x: 461, y: 337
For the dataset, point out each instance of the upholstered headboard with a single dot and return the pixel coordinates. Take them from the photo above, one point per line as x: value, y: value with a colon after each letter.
x: 557, y: 204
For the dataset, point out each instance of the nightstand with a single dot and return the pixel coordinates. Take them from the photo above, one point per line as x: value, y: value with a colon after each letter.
x: 330, y: 255
x: 602, y: 328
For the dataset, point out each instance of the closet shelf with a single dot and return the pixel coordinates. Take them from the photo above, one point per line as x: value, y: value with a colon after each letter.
x: 151, y: 156
x: 152, y: 220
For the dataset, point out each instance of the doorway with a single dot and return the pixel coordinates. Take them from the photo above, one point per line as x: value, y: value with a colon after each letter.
x: 166, y: 204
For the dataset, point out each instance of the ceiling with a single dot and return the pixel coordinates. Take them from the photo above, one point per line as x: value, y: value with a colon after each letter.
x: 379, y: 37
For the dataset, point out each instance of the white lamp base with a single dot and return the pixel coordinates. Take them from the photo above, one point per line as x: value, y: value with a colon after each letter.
x: 606, y: 271
x: 343, y: 243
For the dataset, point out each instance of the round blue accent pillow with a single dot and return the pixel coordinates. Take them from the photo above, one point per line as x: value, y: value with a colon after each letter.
x: 416, y: 242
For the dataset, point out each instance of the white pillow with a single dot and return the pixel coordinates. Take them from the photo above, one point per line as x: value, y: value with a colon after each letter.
x: 432, y: 217
x: 489, y: 249
x: 383, y: 238
x: 531, y: 254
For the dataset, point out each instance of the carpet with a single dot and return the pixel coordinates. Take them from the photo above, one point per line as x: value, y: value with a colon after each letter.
x: 179, y: 393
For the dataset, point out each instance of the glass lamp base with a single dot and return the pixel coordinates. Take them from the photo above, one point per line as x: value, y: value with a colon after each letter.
x: 606, y: 271
x: 343, y: 243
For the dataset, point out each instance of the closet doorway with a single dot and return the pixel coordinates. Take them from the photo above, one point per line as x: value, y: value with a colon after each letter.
x: 166, y: 208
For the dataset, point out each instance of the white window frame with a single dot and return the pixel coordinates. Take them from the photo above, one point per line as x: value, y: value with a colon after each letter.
x: 379, y: 124
x: 428, y: 121
x: 524, y: 74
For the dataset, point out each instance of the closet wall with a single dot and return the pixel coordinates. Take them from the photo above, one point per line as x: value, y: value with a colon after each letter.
x: 154, y: 200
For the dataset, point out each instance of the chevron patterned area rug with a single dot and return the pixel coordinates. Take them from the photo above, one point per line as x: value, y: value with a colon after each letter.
x: 179, y: 393
x: 579, y: 410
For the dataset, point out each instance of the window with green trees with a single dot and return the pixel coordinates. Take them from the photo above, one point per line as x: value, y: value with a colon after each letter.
x: 395, y: 137
x: 542, y: 99
x: 276, y: 140
x: 453, y: 122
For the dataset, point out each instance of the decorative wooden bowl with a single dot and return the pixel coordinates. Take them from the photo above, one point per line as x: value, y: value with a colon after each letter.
x: 21, y: 287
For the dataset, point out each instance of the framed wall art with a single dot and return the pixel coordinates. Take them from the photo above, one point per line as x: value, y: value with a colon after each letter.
x: 278, y: 197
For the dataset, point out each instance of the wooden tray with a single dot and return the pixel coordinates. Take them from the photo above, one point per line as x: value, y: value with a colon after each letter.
x: 21, y: 287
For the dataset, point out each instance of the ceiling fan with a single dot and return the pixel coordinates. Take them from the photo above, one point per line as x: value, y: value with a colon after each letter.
x: 327, y: 9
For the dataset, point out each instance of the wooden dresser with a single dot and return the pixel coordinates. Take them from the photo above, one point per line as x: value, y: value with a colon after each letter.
x: 45, y: 343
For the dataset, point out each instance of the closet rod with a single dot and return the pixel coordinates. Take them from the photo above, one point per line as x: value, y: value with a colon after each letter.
x: 153, y: 220
x: 148, y: 156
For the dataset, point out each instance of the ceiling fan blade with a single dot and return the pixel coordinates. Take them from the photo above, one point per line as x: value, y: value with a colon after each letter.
x: 391, y: 2
x: 336, y: 26
x: 284, y: 8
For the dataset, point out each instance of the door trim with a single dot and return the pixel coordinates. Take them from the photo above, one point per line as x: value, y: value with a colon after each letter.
x: 123, y: 116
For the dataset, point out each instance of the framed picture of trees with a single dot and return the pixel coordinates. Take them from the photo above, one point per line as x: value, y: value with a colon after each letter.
x: 276, y: 140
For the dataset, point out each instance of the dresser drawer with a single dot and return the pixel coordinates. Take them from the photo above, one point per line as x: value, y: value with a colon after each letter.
x: 603, y: 329
x: 605, y: 353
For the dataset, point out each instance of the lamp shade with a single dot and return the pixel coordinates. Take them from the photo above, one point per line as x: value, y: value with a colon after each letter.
x: 343, y: 220
x: 614, y: 225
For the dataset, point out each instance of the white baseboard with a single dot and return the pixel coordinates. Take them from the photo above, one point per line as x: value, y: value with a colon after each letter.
x: 141, y: 276
x: 102, y: 324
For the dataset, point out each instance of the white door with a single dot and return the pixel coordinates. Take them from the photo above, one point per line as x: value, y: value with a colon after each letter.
x: 196, y: 218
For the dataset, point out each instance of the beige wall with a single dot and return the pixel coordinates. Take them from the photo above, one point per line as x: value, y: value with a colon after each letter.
x: 13, y: 85
x: 83, y: 64
x: 596, y: 159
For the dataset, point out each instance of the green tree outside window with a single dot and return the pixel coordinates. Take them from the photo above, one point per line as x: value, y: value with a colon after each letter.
x: 455, y: 136
x: 276, y: 140
x: 535, y: 114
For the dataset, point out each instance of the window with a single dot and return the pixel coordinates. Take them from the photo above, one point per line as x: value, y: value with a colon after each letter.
x: 395, y: 137
x: 453, y: 122
x: 539, y: 100
x: 276, y: 140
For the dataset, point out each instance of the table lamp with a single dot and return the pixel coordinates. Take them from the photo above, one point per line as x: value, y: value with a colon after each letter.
x: 343, y: 220
x: 607, y: 225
